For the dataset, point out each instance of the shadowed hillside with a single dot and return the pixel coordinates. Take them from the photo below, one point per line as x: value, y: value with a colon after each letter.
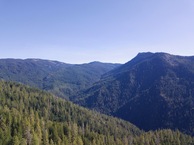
x: 153, y: 91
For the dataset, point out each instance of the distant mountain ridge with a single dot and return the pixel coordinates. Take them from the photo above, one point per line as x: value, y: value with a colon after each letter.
x: 59, y: 78
x: 153, y: 90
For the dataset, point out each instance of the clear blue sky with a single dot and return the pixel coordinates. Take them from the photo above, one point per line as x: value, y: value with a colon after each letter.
x: 78, y: 31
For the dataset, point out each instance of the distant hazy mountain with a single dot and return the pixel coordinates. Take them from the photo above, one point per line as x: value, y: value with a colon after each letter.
x: 59, y: 78
x: 153, y: 90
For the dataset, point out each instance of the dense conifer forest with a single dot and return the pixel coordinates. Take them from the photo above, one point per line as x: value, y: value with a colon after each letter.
x: 30, y: 116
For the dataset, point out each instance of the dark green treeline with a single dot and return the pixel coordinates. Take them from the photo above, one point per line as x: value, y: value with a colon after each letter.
x: 32, y: 117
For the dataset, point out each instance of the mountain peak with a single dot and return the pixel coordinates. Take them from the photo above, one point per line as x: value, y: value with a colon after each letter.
x: 140, y: 58
x: 144, y: 55
x: 159, y: 57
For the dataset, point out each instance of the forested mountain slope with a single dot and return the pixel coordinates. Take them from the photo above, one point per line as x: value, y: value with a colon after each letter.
x: 153, y: 91
x: 62, y: 79
x: 32, y: 117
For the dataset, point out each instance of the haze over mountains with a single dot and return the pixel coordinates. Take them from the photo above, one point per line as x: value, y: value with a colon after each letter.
x: 62, y: 79
x: 152, y: 91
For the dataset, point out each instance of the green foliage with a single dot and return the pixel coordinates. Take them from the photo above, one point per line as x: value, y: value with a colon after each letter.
x: 30, y: 116
x: 164, y: 137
